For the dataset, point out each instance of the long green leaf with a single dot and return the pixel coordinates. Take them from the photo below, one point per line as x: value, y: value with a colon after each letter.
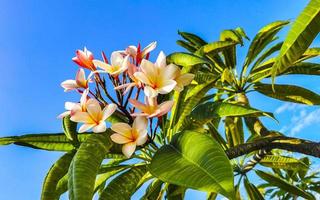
x: 303, y: 31
x: 185, y: 59
x: 153, y: 190
x: 85, y: 166
x: 70, y: 129
x: 252, y: 191
x: 262, y: 39
x: 56, y: 172
x: 124, y: 186
x: 196, y: 161
x: 283, y: 162
x: 195, y: 40
x: 289, y: 93
x: 282, y: 184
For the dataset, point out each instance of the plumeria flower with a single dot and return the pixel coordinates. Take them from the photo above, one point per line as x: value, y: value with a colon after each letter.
x: 129, y: 136
x: 151, y: 108
x: 136, y: 52
x: 84, y: 59
x: 119, y: 64
x: 94, y: 117
x: 159, y: 79
x: 181, y: 79
x: 79, y: 82
x: 72, y: 107
x: 135, y: 82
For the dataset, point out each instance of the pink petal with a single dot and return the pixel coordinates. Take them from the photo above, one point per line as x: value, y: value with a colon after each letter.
x: 165, y: 107
x: 149, y: 48
x: 69, y: 85
x: 138, y: 104
x: 142, y: 77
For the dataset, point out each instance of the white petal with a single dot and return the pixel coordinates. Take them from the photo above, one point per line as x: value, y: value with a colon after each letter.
x: 116, y: 59
x: 185, y: 79
x: 161, y: 60
x: 64, y: 114
x: 82, y: 117
x: 170, y: 72
x: 106, y: 67
x: 122, y: 128
x: 85, y: 127
x: 140, y: 123
x: 128, y: 149
x: 119, y: 139
x: 167, y: 86
x: 108, y: 110
x: 69, y: 105
x: 94, y: 109
x: 150, y: 92
x: 142, y: 77
x: 143, y: 137
x: 149, y: 69
x: 101, y: 127
x: 149, y: 48
x: 69, y: 85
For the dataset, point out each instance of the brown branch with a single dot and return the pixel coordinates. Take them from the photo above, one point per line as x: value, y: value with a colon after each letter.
x: 279, y: 142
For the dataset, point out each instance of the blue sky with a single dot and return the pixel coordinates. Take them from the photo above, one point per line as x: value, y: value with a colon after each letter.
x: 39, y: 38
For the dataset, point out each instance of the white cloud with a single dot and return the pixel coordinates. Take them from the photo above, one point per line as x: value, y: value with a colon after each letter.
x: 288, y: 107
x: 304, y: 120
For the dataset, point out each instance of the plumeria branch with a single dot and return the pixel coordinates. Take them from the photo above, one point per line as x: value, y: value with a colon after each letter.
x: 278, y: 142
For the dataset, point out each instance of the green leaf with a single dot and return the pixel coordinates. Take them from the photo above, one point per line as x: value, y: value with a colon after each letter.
x: 191, y: 100
x: 53, y: 142
x: 266, y: 54
x: 262, y: 39
x: 153, y: 190
x: 70, y: 129
x: 234, y: 131
x: 186, y: 45
x: 289, y: 93
x: 125, y: 185
x: 44, y: 141
x: 194, y: 160
x: 195, y: 40
x: 252, y: 191
x: 175, y: 192
x: 85, y: 166
x: 56, y: 172
x: 185, y: 59
x: 282, y: 184
x: 303, y: 68
x: 215, y: 47
x: 303, y: 31
x: 283, y: 162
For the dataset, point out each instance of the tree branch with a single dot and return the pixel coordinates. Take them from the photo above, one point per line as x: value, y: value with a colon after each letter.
x: 279, y: 142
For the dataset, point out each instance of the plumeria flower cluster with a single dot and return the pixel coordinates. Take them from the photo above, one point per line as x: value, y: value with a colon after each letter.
x: 129, y: 77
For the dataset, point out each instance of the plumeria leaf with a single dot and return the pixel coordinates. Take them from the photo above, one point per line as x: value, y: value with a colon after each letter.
x: 125, y: 185
x: 194, y: 160
x: 303, y: 31
x: 282, y: 184
x: 252, y: 191
x: 55, y: 174
x: 283, y: 162
x: 195, y: 40
x: 85, y: 166
x: 70, y: 129
x: 289, y: 93
x: 153, y: 191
